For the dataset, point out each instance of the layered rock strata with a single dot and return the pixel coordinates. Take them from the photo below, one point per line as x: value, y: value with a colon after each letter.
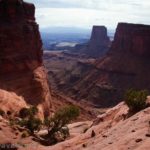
x: 125, y: 66
x: 21, y: 65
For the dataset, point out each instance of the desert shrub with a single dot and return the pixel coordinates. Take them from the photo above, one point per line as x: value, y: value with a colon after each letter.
x: 59, y: 121
x: 2, y: 113
x: 27, y: 112
x: 24, y: 134
x: 12, y: 122
x: 66, y: 114
x: 65, y: 131
x: 32, y: 124
x: 33, y: 110
x: 136, y: 100
x: 29, y: 120
x: 24, y: 112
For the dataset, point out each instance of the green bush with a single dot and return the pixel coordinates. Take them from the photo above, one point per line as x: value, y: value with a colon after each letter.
x: 33, y: 110
x: 12, y: 122
x: 29, y: 120
x: 136, y: 100
x: 24, y: 134
x: 32, y: 124
x: 65, y: 132
x: 66, y: 114
x: 60, y: 119
x: 27, y: 112
x: 24, y: 112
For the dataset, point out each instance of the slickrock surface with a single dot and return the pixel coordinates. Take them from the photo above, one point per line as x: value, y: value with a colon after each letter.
x: 9, y: 101
x: 113, y: 132
x: 21, y: 66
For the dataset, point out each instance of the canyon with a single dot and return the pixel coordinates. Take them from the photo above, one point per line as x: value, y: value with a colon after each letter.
x: 94, y: 77
x: 104, y: 81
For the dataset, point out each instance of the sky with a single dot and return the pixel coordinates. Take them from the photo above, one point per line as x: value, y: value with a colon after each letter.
x: 86, y: 13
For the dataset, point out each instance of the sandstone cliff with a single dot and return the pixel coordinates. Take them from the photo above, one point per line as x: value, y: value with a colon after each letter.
x: 21, y: 66
x: 99, y: 42
x: 98, y: 45
x: 125, y: 66
x: 132, y: 38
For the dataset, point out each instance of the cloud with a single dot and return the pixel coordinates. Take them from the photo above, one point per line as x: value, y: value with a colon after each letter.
x: 85, y: 13
x: 89, y: 4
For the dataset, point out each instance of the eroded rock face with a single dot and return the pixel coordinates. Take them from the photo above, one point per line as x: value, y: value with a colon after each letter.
x: 9, y: 101
x: 125, y: 66
x: 21, y: 66
x: 132, y: 38
x: 99, y: 42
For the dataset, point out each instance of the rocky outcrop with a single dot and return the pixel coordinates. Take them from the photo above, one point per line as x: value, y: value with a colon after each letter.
x: 21, y: 66
x: 10, y: 102
x: 110, y: 131
x: 132, y: 38
x: 98, y: 45
x: 113, y: 129
x: 99, y: 42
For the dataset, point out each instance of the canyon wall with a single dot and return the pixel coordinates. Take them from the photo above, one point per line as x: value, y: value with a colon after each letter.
x: 126, y: 65
x: 21, y: 65
x: 132, y: 38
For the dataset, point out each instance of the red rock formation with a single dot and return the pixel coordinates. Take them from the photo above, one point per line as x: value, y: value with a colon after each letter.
x: 125, y: 66
x: 98, y: 45
x: 21, y: 66
x: 112, y: 132
x: 132, y: 38
x: 99, y: 42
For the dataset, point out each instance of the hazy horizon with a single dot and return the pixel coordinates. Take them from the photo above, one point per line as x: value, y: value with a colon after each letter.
x: 86, y: 13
